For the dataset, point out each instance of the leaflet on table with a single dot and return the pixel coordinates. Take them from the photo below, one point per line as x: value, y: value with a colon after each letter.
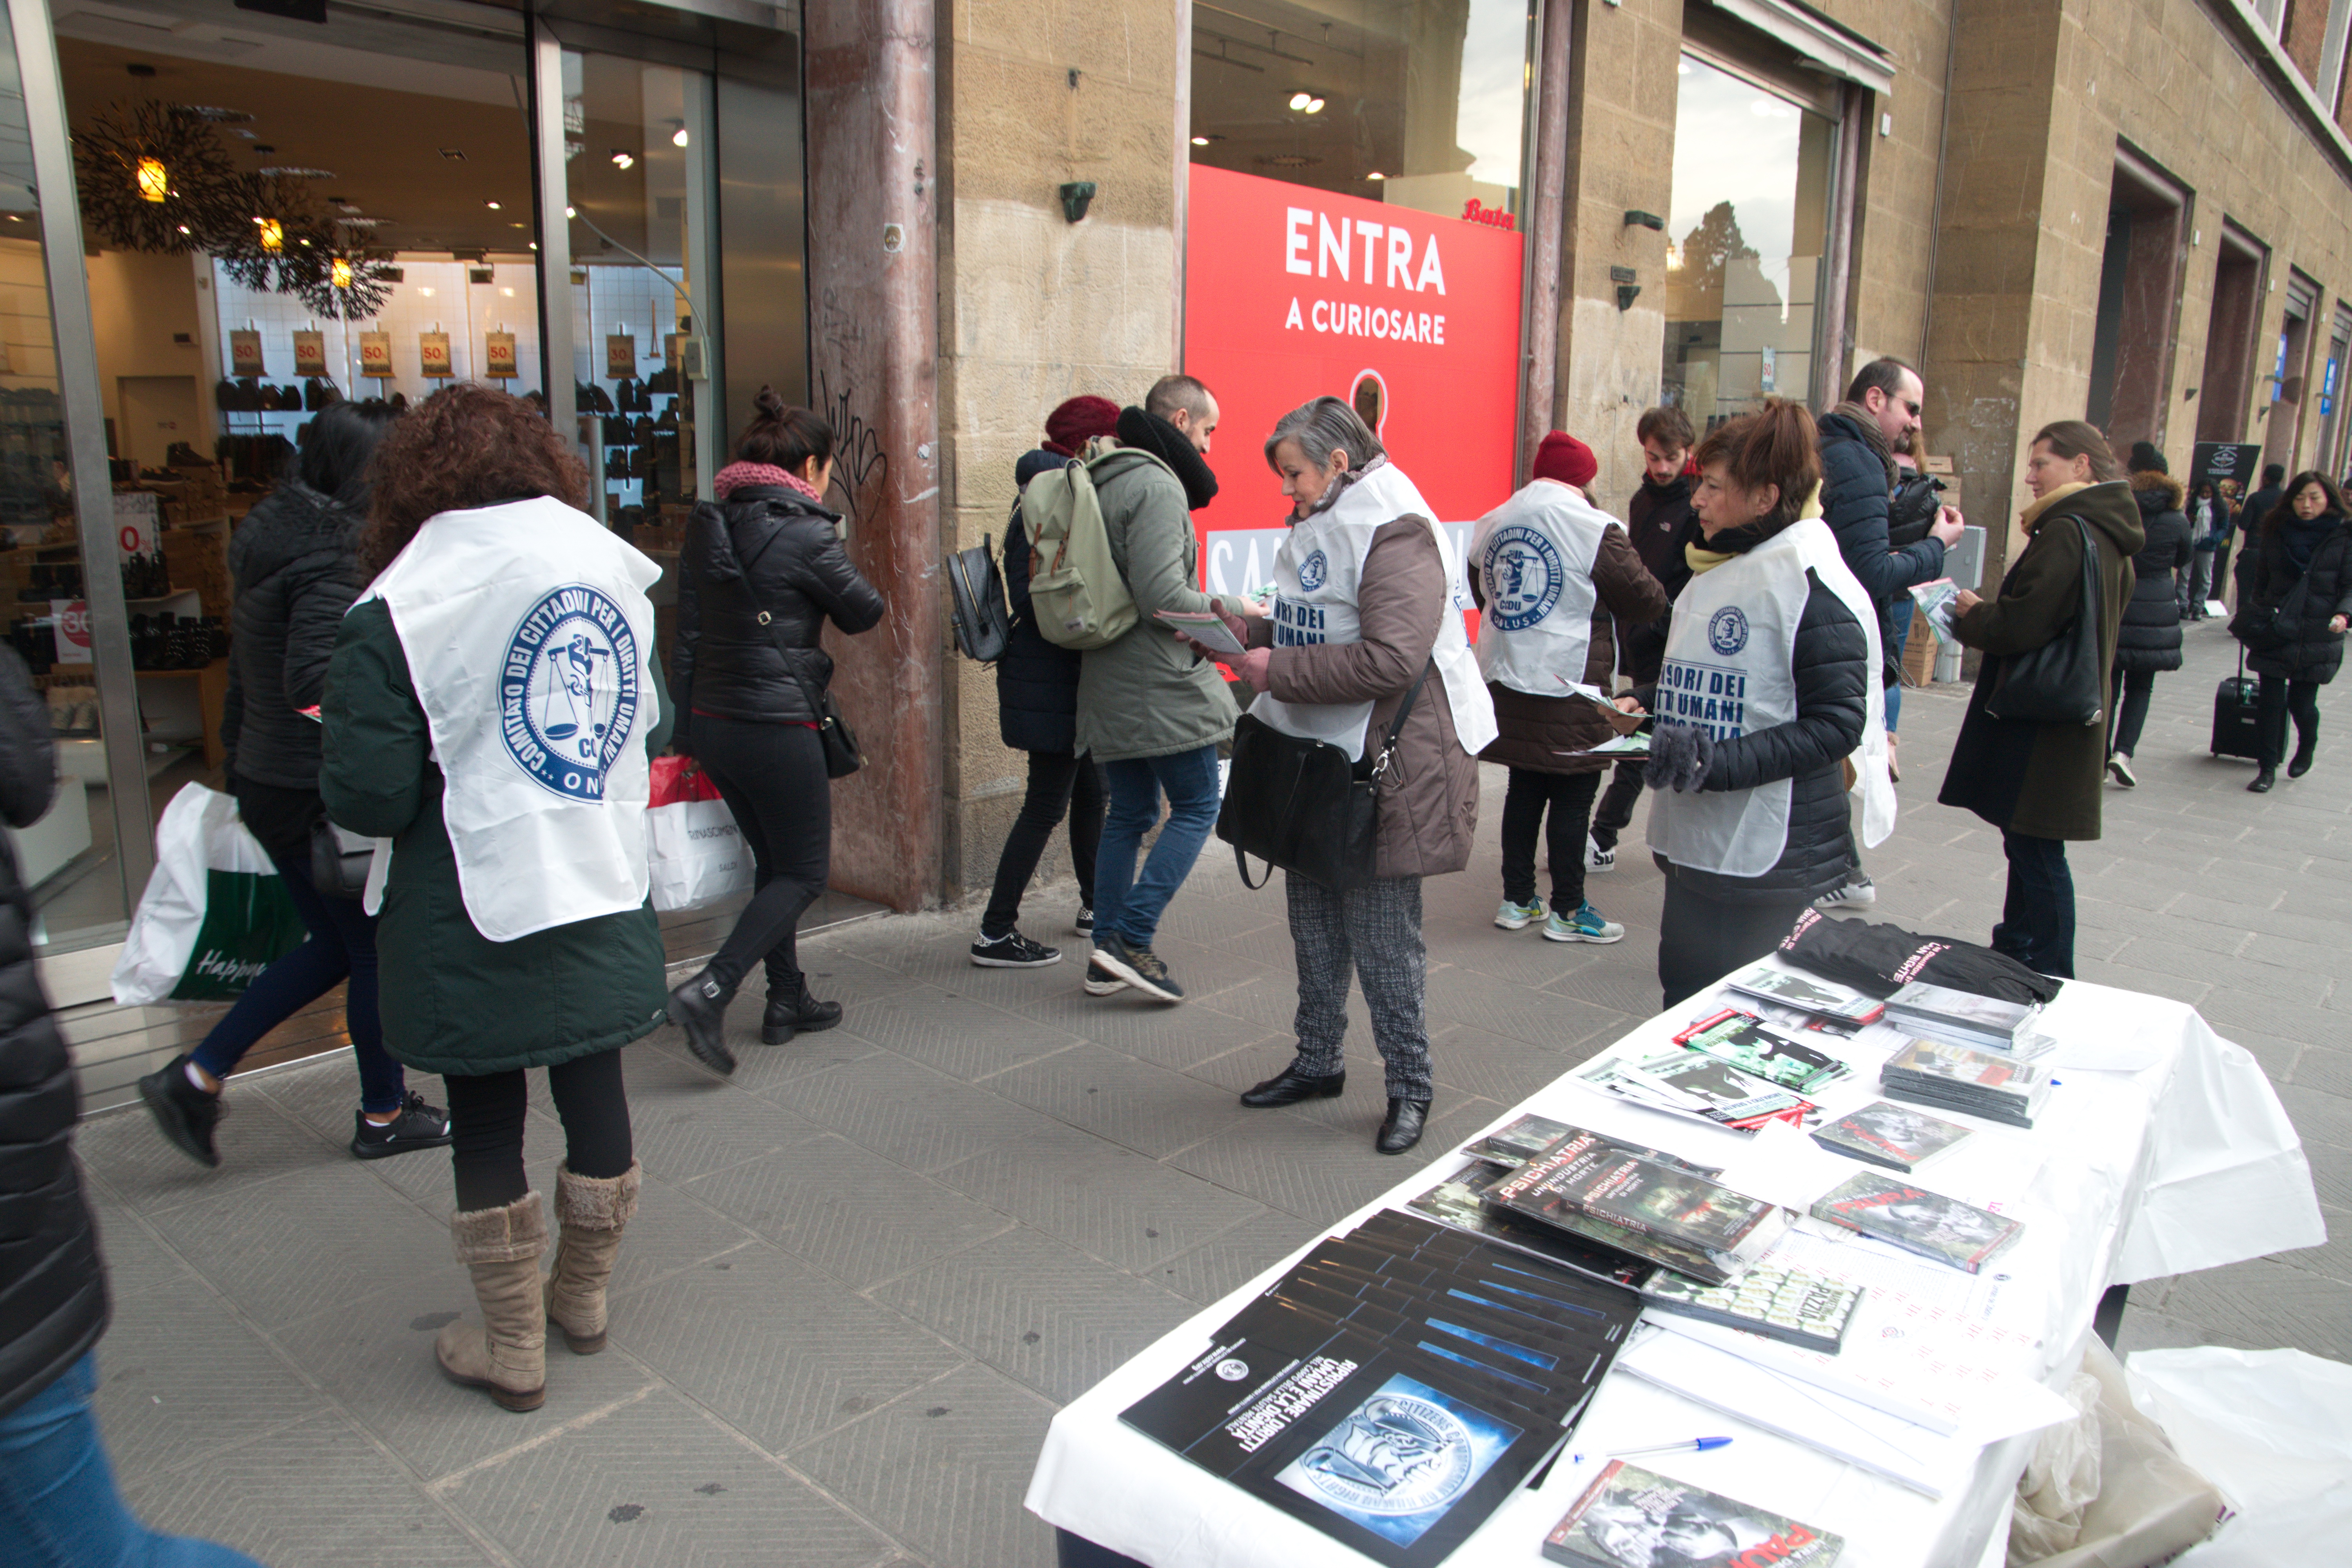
x: 1740, y: 1039
x: 1936, y: 602
x: 1808, y: 993
x: 1689, y: 1083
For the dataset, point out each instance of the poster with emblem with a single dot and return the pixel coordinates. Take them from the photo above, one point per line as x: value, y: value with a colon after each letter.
x: 620, y: 355
x: 376, y: 354
x: 499, y: 355
x: 433, y: 349
x: 309, y: 353
x: 245, y: 352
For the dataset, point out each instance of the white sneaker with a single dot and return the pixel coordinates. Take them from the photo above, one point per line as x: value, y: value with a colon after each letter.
x: 1596, y: 859
x: 2119, y: 765
x: 1854, y: 895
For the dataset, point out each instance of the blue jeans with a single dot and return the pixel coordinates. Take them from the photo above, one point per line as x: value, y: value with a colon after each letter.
x: 1126, y: 902
x: 2037, y: 921
x: 341, y: 945
x: 1895, y: 647
x: 58, y: 1507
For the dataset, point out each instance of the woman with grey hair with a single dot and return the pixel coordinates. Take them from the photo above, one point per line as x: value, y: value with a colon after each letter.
x: 1363, y: 610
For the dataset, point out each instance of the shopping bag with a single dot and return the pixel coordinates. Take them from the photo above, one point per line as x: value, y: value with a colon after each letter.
x: 693, y: 848
x: 214, y: 913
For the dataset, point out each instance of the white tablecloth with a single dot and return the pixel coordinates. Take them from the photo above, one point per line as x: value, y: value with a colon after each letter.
x: 2163, y: 1150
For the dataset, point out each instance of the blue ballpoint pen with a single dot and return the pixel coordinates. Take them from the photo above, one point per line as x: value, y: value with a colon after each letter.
x: 1693, y: 1445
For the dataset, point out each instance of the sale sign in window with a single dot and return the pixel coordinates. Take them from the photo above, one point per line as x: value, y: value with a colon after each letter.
x: 1291, y: 293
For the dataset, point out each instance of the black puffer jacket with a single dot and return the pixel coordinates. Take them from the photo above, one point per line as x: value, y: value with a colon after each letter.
x: 292, y: 562
x: 1856, y: 484
x: 1660, y: 522
x: 2311, y: 651
x: 762, y: 547
x: 52, y: 1286
x: 2150, y: 637
x: 1037, y: 680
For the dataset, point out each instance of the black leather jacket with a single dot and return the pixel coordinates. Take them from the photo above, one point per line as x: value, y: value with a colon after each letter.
x: 52, y: 1286
x: 762, y: 549
x: 295, y: 572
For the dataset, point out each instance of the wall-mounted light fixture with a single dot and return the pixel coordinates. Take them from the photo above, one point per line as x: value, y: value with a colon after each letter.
x: 1626, y: 294
x: 1636, y: 218
x: 1076, y: 196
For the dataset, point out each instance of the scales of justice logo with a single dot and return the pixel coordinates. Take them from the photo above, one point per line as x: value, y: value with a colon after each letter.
x: 1394, y: 1454
x: 1524, y: 577
x: 568, y: 690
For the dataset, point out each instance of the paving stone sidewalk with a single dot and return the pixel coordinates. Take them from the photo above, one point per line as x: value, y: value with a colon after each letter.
x: 869, y: 1268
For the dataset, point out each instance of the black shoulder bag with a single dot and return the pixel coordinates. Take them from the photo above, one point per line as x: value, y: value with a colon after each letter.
x: 1303, y: 805
x: 841, y: 757
x: 2058, y: 683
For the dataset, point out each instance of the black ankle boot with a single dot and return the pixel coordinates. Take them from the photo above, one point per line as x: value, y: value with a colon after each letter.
x: 1290, y: 1086
x: 795, y: 1012
x: 1402, y: 1129
x: 699, y: 1007
x: 2304, y: 753
x: 2263, y: 781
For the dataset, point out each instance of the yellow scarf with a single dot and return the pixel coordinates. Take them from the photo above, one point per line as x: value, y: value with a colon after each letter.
x: 2032, y: 516
x: 1701, y: 559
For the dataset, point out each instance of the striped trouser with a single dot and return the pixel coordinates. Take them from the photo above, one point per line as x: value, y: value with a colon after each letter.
x: 1375, y: 929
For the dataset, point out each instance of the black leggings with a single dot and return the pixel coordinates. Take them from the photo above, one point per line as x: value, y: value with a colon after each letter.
x: 486, y: 1122
x: 1569, y: 798
x: 773, y: 779
x: 2128, y: 705
x: 1058, y: 782
x: 2281, y: 700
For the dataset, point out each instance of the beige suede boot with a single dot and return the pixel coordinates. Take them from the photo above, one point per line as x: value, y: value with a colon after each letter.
x: 507, y: 1353
x: 589, y: 1214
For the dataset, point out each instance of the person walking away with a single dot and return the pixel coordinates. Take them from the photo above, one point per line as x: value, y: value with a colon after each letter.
x: 1748, y: 823
x: 491, y: 709
x: 1152, y: 710
x: 1363, y: 621
x: 763, y: 571
x: 1037, y: 712
x: 2040, y: 783
x: 2292, y: 619
x: 2251, y: 516
x: 1858, y: 480
x: 1662, y: 526
x: 295, y: 572
x: 58, y: 1504
x: 1552, y: 574
x: 2209, y: 523
x: 2149, y: 641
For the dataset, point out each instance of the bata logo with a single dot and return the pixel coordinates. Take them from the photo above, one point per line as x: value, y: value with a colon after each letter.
x: 1476, y: 211
x: 1377, y: 255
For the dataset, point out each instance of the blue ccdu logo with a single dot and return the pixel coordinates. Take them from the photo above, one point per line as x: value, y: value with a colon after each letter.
x: 1313, y: 571
x: 1726, y: 630
x: 1524, y: 577
x: 568, y: 690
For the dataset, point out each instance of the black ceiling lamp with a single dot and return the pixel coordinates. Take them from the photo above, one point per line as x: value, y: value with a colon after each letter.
x: 154, y: 178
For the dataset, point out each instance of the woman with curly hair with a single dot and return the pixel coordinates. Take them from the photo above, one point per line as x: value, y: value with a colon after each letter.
x: 489, y: 711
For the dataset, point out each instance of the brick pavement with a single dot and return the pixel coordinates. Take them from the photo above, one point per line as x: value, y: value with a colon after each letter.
x: 869, y: 1266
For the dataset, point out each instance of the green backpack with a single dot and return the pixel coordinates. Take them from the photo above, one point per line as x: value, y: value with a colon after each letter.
x: 1077, y: 597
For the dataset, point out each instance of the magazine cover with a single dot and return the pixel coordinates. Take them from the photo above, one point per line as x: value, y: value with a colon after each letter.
x: 1519, y: 1141
x: 1633, y: 1517
x: 1645, y: 1195
x: 1894, y: 1136
x: 1459, y: 1200
x: 1741, y: 1039
x: 1807, y: 994
x: 1918, y: 1221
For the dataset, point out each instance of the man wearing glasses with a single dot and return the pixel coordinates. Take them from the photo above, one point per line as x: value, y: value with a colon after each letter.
x: 1859, y: 440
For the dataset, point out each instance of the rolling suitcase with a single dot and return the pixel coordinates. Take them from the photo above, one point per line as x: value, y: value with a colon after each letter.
x: 2237, y: 725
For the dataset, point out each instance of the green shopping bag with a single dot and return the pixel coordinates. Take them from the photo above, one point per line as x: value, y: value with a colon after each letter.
x: 215, y: 913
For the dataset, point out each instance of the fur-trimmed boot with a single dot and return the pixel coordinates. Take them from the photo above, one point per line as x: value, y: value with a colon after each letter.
x: 589, y: 1214
x: 506, y: 1354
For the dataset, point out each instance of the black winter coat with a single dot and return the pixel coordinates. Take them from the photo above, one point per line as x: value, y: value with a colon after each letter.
x: 764, y: 547
x: 2311, y: 651
x: 295, y: 572
x: 53, y: 1303
x: 1855, y: 489
x: 1660, y: 522
x: 1037, y: 680
x: 2150, y: 637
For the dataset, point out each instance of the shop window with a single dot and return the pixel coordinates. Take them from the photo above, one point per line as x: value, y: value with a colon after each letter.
x: 1747, y: 234
x: 1419, y: 103
x: 2333, y: 453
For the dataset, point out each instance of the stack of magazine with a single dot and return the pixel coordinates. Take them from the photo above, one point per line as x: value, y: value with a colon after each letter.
x: 1989, y: 1084
x: 1693, y: 1084
x: 1808, y: 993
x: 1917, y: 1220
x: 1964, y: 1018
x: 1894, y: 1136
x: 1633, y: 1518
x: 1747, y: 1043
x: 1395, y: 1387
x: 1634, y: 1202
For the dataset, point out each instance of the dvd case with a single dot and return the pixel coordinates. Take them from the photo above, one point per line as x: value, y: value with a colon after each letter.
x: 1917, y: 1220
x: 1633, y: 1518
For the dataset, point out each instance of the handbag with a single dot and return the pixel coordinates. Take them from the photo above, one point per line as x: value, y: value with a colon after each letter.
x: 841, y: 757
x: 2058, y: 683
x: 1302, y: 805
x: 340, y: 860
x: 982, y: 621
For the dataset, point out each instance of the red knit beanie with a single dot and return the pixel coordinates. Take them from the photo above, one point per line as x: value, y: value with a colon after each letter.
x: 1564, y: 457
x: 1077, y: 421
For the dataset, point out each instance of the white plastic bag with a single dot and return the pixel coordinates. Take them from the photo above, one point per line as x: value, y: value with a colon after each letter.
x: 2273, y: 1430
x: 694, y: 851
x: 214, y: 913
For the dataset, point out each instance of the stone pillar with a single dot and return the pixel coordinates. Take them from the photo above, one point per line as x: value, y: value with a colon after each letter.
x: 1546, y: 221
x: 874, y: 353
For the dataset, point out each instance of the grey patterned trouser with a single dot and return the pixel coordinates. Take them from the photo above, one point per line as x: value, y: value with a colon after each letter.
x: 1375, y: 929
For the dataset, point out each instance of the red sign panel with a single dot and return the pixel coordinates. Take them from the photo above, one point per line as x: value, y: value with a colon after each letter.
x: 1291, y: 292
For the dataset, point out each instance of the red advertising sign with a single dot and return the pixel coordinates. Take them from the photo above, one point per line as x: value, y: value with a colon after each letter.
x: 1291, y: 292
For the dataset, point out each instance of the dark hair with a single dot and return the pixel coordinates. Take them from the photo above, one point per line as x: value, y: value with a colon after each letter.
x: 783, y: 435
x: 1883, y: 373
x: 1171, y: 392
x: 1667, y: 425
x: 337, y: 446
x: 2073, y: 438
x: 2274, y: 472
x: 1776, y: 444
x: 2279, y: 514
x: 466, y: 446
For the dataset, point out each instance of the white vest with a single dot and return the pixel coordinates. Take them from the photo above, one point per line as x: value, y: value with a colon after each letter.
x: 530, y: 640
x: 1730, y: 653
x: 1534, y: 557
x: 1315, y: 573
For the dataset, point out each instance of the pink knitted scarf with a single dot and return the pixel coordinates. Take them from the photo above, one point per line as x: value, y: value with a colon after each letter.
x: 738, y: 475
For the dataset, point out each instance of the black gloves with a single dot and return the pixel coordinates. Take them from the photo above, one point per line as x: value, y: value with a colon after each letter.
x: 1678, y: 756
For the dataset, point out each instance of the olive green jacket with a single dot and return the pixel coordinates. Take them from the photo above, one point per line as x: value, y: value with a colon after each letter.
x: 454, y: 1002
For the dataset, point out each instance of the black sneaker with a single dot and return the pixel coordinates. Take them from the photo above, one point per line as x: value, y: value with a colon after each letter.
x: 1139, y: 966
x: 1085, y: 924
x: 699, y: 1007
x: 417, y: 1126
x: 1102, y: 982
x: 1013, y: 951
x: 185, y: 1114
